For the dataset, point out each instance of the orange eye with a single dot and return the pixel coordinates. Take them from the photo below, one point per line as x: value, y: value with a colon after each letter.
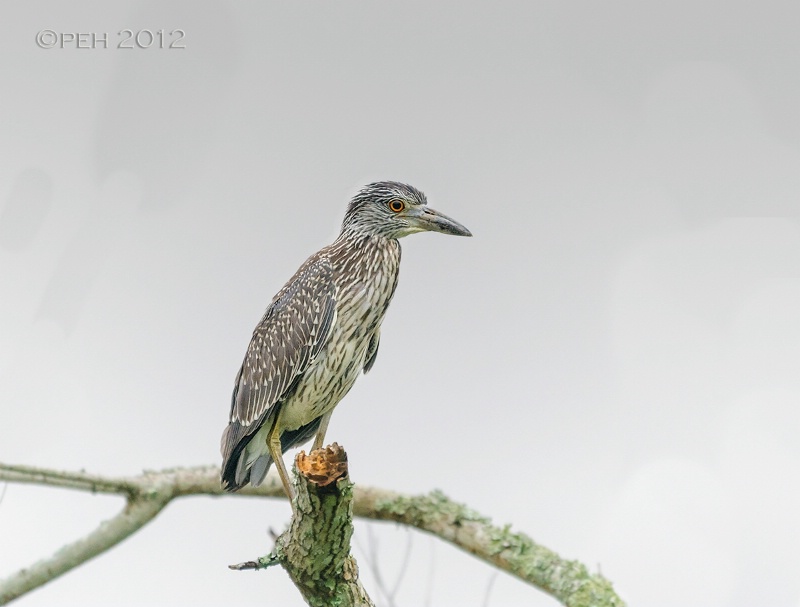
x: 396, y: 206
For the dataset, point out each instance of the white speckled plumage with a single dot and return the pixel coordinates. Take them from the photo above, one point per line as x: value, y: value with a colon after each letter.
x: 321, y: 330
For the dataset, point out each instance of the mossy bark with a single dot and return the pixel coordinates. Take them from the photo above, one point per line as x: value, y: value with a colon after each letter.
x: 315, y: 550
x: 568, y: 581
x: 514, y: 552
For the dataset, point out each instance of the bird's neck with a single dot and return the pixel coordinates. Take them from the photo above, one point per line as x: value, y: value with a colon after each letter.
x: 357, y: 238
x: 361, y: 250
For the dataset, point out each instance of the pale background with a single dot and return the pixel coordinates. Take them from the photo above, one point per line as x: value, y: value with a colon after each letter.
x: 612, y: 363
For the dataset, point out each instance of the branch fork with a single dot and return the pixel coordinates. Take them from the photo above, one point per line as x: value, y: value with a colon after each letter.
x: 335, y: 501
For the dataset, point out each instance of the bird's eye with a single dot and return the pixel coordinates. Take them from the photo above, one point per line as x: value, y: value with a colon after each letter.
x: 396, y: 206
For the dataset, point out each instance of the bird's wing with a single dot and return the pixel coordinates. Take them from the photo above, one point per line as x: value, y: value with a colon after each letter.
x: 372, y: 350
x: 291, y: 334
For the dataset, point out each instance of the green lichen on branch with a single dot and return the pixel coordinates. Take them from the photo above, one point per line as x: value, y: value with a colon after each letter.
x: 568, y: 581
x: 147, y: 494
x: 262, y: 562
x: 428, y: 509
x: 315, y: 550
x: 317, y: 544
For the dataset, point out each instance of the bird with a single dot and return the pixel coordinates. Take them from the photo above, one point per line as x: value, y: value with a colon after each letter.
x: 321, y: 330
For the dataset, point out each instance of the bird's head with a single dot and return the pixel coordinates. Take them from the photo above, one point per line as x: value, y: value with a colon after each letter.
x: 394, y: 210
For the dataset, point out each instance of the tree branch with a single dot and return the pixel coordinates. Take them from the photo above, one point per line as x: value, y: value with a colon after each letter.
x: 515, y: 553
x: 315, y: 550
x: 147, y: 494
x: 136, y: 514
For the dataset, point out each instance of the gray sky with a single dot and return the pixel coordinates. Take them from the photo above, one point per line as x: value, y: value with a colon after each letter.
x: 612, y: 363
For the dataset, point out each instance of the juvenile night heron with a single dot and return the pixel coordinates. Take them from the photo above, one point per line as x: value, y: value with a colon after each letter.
x: 320, y: 331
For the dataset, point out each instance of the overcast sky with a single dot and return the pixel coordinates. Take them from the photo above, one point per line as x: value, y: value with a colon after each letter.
x: 611, y: 364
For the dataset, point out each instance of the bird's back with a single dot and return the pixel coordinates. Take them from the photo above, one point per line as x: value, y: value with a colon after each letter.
x: 308, y: 349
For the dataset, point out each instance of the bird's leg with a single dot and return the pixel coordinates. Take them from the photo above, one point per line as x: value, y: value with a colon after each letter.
x: 274, y: 446
x: 323, y: 428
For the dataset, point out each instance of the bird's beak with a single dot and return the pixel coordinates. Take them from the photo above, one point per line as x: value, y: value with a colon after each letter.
x: 423, y: 218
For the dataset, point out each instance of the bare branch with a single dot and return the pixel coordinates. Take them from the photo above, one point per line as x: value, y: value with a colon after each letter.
x: 403, y: 566
x: 489, y: 586
x: 372, y: 560
x: 70, y: 480
x: 134, y: 516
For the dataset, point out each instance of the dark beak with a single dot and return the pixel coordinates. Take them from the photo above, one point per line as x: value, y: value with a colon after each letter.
x: 430, y: 220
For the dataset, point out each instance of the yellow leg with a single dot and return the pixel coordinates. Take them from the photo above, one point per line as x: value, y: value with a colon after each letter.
x: 274, y: 446
x: 323, y: 428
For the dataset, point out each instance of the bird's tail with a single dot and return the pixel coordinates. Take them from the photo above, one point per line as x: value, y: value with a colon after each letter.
x: 241, y: 465
x: 237, y: 472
